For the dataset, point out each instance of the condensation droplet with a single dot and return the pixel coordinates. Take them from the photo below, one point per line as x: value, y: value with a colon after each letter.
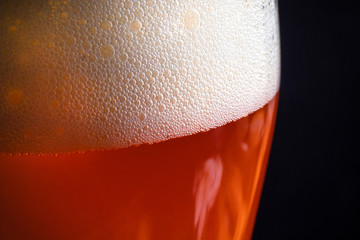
x: 107, y: 50
x: 192, y: 19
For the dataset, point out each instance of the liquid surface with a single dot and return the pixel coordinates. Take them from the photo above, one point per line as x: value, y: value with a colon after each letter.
x: 81, y: 75
x: 205, y: 186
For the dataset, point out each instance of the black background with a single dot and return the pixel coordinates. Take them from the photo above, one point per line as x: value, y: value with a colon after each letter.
x: 311, y: 188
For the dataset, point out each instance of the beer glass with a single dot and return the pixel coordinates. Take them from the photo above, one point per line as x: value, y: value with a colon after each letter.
x: 135, y: 119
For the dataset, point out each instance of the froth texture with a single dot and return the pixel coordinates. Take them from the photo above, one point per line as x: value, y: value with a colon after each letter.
x: 86, y: 75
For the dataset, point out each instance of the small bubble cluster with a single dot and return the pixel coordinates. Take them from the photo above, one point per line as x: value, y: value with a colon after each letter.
x: 90, y: 75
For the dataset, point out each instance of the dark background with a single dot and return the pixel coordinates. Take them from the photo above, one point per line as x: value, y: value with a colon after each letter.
x: 311, y: 188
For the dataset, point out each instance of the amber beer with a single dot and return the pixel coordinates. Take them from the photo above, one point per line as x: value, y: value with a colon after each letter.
x: 204, y: 186
x: 141, y: 120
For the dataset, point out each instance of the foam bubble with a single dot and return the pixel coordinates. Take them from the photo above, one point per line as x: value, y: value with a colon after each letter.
x: 192, y: 19
x: 81, y: 75
x: 106, y: 25
x: 107, y: 50
x: 135, y: 25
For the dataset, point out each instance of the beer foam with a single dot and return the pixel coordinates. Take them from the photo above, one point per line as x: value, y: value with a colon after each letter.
x: 87, y: 75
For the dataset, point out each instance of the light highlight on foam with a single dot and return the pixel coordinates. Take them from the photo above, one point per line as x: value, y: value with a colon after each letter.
x: 111, y: 74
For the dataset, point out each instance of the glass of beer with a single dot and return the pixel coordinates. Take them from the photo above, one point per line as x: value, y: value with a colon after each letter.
x: 135, y: 119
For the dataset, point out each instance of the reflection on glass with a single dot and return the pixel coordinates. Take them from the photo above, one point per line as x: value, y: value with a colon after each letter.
x: 206, y: 187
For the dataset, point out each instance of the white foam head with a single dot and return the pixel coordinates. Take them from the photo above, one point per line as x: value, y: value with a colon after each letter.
x: 81, y: 75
